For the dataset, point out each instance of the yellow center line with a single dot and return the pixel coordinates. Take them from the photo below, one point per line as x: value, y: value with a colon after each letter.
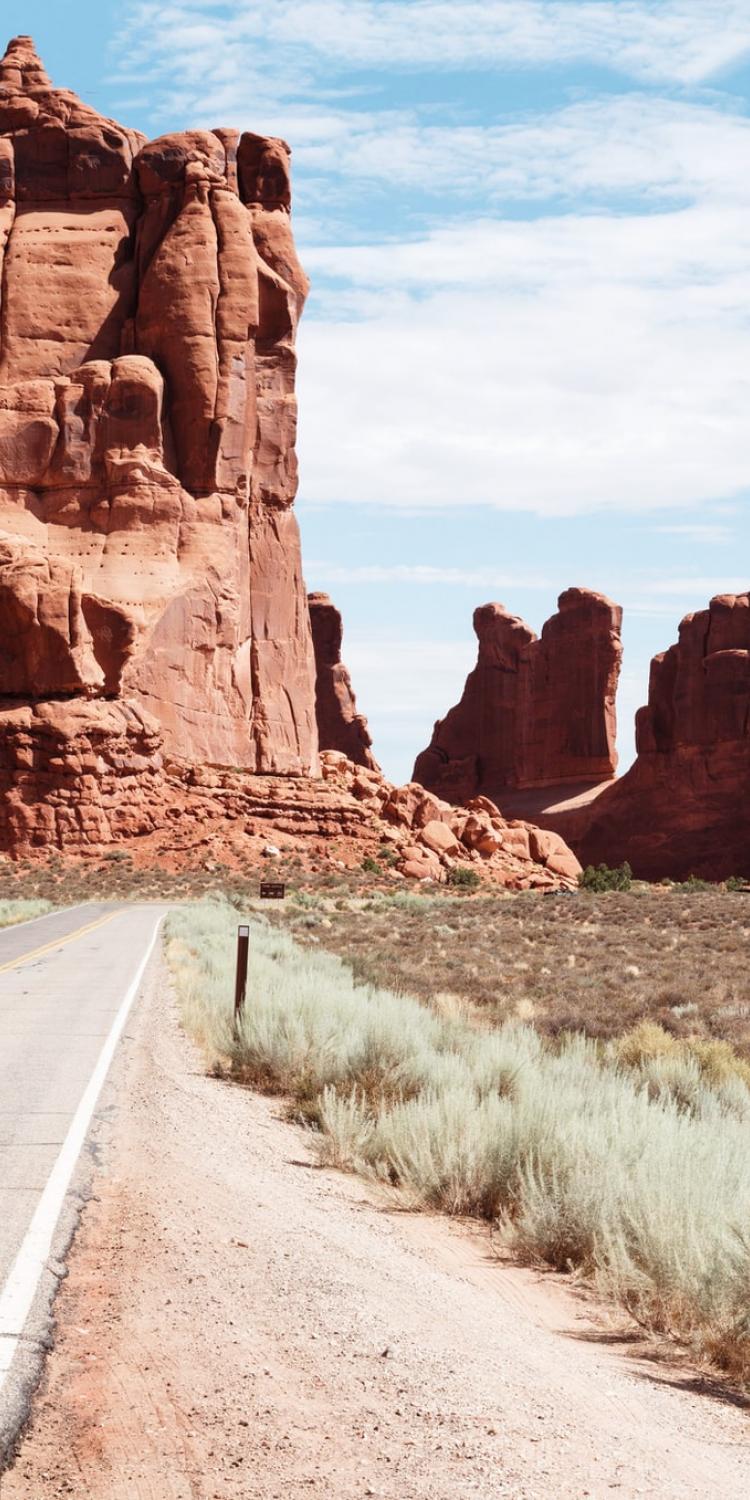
x: 25, y: 958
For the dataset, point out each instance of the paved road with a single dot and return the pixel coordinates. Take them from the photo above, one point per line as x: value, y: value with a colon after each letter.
x: 65, y: 983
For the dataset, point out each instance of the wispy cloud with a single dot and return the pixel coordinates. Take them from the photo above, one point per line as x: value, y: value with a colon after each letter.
x: 695, y: 531
x: 699, y: 589
x: 410, y: 573
x: 410, y: 679
x: 678, y: 40
x: 568, y: 364
x: 659, y: 149
x: 585, y: 354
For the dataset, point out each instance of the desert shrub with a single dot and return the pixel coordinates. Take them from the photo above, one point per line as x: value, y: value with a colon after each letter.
x: 462, y: 878
x: 601, y: 878
x: 698, y: 1073
x: 371, y: 865
x: 693, y: 883
x: 22, y: 911
x: 628, y: 1165
x: 642, y: 1043
x: 388, y: 856
x: 737, y: 883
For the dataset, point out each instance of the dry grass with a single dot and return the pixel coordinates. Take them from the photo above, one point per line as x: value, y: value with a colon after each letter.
x: 631, y: 1170
x: 601, y: 964
x: 22, y: 911
x: 598, y: 964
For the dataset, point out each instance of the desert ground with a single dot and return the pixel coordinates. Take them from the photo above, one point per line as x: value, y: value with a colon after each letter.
x: 237, y: 1322
x: 238, y: 1318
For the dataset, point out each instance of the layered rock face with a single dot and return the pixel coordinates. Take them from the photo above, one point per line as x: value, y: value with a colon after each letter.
x: 340, y: 727
x: 684, y: 806
x: 149, y: 557
x: 535, y: 712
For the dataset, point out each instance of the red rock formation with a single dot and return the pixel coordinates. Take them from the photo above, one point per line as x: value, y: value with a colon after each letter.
x: 82, y: 775
x: 340, y: 727
x: 154, y: 619
x: 534, y: 712
x: 684, y: 806
x: 149, y: 556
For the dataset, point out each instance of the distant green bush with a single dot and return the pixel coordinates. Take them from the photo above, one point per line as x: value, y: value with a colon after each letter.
x: 693, y: 883
x: 463, y: 879
x: 388, y: 856
x: 371, y: 865
x: 602, y: 878
x: 737, y: 883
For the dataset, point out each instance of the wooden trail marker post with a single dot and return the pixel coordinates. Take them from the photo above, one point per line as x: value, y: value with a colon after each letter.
x: 240, y: 983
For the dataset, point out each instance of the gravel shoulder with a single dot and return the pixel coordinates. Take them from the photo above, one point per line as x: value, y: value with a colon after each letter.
x: 236, y: 1324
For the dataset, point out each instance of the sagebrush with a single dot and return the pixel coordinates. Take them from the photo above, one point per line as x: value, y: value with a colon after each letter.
x: 633, y: 1171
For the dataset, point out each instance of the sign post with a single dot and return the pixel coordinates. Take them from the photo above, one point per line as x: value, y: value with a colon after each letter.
x: 240, y: 985
x: 272, y: 890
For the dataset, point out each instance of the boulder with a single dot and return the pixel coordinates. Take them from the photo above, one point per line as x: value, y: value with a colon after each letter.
x: 440, y: 838
x: 550, y: 850
x: 419, y: 869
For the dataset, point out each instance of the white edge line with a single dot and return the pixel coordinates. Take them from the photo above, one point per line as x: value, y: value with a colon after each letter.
x: 20, y: 1289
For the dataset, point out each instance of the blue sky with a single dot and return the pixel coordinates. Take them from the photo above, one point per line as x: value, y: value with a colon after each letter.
x: 525, y: 361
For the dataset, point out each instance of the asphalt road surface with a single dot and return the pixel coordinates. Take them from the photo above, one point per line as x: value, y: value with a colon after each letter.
x: 67, y: 982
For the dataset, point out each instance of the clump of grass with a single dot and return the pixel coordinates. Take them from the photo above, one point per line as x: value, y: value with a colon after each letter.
x: 631, y: 1169
x: 680, y: 1065
x: 22, y: 911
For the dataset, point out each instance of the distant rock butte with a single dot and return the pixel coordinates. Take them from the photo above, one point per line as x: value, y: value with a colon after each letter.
x: 684, y: 806
x: 535, y: 711
x: 340, y: 727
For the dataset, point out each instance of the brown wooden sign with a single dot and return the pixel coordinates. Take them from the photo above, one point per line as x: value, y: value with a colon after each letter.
x: 272, y: 890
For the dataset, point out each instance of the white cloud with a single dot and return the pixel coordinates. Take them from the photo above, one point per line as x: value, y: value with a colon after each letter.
x: 696, y: 531
x: 634, y: 143
x: 422, y: 573
x: 559, y: 365
x: 699, y: 589
x: 686, y: 41
x: 571, y: 363
x: 409, y: 677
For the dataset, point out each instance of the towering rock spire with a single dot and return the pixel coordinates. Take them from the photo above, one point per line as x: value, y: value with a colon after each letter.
x: 149, y: 554
x: 22, y: 70
x: 340, y: 727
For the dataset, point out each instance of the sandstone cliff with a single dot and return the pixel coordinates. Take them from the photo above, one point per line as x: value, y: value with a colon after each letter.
x: 535, y: 712
x: 684, y: 806
x: 340, y: 727
x: 150, y: 573
x: 158, y: 681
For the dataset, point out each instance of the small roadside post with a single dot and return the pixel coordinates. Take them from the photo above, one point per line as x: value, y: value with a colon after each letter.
x: 240, y: 984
